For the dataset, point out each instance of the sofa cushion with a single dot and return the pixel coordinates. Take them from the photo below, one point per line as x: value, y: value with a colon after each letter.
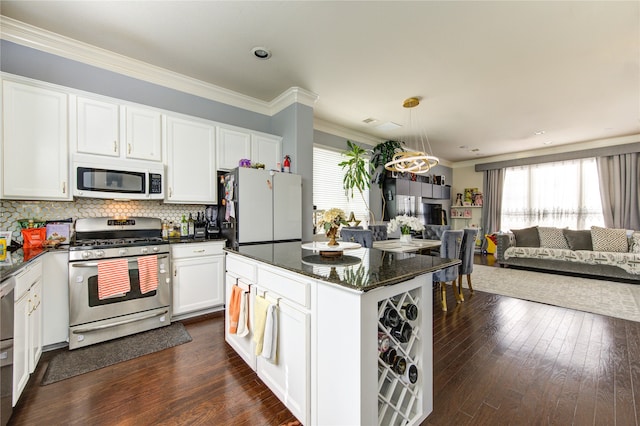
x: 634, y: 244
x: 578, y: 240
x: 609, y: 239
x: 552, y: 238
x: 527, y: 237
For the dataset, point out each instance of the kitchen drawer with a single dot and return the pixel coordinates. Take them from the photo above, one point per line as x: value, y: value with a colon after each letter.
x: 292, y: 287
x: 179, y: 251
x: 240, y: 268
x: 25, y: 278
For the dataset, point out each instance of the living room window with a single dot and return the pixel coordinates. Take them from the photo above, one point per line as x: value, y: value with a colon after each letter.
x: 328, y: 191
x: 560, y: 194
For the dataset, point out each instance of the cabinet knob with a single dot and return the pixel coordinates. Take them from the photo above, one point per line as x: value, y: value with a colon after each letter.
x: 129, y: 148
x: 115, y: 146
x: 64, y: 187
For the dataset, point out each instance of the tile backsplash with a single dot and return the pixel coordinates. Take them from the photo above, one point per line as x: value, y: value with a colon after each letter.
x: 11, y: 211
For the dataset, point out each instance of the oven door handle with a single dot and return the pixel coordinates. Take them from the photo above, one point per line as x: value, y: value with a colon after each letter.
x: 116, y: 324
x: 94, y: 264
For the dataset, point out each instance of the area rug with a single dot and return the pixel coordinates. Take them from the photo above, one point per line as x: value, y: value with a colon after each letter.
x: 83, y: 360
x: 610, y: 298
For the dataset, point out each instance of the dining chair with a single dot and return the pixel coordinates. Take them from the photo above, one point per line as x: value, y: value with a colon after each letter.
x: 467, y: 252
x: 379, y: 232
x: 450, y: 248
x: 362, y: 236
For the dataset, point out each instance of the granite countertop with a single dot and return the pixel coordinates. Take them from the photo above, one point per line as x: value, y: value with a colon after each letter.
x: 16, y: 259
x: 359, y: 269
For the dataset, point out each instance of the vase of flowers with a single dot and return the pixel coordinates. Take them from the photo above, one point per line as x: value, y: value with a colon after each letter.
x: 406, y: 225
x: 330, y: 222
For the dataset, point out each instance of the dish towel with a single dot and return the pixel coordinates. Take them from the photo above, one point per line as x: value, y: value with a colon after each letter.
x: 234, y: 308
x: 113, y: 278
x: 148, y: 273
x: 243, y: 320
x: 270, y: 345
x: 259, y: 317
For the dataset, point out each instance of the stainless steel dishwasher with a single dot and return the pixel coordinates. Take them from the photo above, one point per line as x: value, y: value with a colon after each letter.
x: 6, y: 349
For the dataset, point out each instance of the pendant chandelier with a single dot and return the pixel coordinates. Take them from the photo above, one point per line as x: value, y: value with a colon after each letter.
x: 413, y: 161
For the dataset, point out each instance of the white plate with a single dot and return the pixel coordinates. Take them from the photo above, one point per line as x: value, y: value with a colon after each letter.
x: 323, y: 246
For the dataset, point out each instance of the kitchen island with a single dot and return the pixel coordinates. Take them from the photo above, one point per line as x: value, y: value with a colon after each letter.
x: 334, y: 315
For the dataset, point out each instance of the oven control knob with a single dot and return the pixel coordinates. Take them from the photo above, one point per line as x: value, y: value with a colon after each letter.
x: 122, y: 251
x: 99, y: 253
x: 144, y: 250
x: 155, y: 249
x: 86, y: 254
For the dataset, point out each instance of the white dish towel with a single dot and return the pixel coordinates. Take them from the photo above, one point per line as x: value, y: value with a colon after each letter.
x: 270, y: 345
x: 243, y: 325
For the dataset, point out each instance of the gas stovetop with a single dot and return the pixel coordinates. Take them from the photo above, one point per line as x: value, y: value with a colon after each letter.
x: 110, y: 237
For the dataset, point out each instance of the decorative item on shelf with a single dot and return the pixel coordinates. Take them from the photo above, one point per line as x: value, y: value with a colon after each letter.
x: 330, y: 222
x: 458, y: 202
x: 244, y: 162
x: 352, y: 220
x: 413, y: 161
x: 286, y: 164
x: 406, y: 225
x: 469, y: 193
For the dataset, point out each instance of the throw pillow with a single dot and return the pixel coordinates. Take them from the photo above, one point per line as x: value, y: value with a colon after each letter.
x: 634, y: 247
x: 552, y: 238
x: 609, y: 239
x: 578, y: 240
x: 527, y: 237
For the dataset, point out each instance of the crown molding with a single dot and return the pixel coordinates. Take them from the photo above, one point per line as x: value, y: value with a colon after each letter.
x: 560, y: 149
x: 47, y: 41
x: 337, y: 130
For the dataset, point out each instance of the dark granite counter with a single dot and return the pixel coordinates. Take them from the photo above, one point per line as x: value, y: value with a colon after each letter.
x: 360, y: 269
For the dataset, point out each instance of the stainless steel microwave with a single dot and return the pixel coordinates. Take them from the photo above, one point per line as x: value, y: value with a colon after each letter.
x: 98, y: 177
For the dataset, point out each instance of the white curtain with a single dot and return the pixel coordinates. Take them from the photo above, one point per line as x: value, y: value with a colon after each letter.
x: 560, y: 194
x: 328, y: 190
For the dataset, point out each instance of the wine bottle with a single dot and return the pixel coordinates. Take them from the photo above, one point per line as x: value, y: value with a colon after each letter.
x: 391, y: 317
x: 184, y: 227
x: 383, y: 342
x: 191, y: 226
x: 410, y: 311
x: 411, y: 374
x: 402, y: 332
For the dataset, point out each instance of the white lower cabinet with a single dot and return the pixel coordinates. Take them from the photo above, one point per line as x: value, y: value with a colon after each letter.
x: 27, y: 318
x: 288, y: 377
x: 198, y: 277
x: 55, y: 294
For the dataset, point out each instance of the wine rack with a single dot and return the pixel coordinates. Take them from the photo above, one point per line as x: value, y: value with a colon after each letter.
x: 400, y: 400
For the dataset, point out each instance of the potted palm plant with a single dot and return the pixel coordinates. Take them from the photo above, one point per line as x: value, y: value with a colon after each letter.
x: 357, y: 174
x: 381, y: 155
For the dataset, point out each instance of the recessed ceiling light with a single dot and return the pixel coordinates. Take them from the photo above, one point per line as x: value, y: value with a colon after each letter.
x: 261, y: 52
x: 464, y: 147
x: 474, y: 150
x: 539, y: 132
x: 369, y: 120
x: 547, y: 143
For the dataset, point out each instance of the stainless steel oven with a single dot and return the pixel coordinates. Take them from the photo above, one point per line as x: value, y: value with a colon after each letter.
x: 98, y: 241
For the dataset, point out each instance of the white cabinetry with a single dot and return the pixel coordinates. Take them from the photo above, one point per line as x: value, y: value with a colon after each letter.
x: 98, y: 127
x: 231, y: 146
x: 191, y: 161
x: 35, y: 143
x: 198, y: 277
x: 55, y: 295
x: 27, y: 325
x: 289, y: 377
x: 103, y: 125
x: 234, y: 144
x: 266, y: 149
x: 143, y: 133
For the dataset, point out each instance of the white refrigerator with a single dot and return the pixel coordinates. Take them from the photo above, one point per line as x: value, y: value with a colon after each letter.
x: 261, y: 206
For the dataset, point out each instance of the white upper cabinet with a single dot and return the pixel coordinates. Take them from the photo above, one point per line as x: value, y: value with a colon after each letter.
x: 143, y: 134
x: 231, y: 146
x: 115, y: 130
x: 98, y: 128
x: 266, y: 149
x: 35, y: 143
x: 234, y: 144
x: 191, y: 161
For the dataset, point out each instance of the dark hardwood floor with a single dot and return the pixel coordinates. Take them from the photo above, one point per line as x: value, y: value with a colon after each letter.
x: 497, y: 361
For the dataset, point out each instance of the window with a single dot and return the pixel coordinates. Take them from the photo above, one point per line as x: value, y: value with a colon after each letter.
x: 561, y: 194
x: 328, y: 191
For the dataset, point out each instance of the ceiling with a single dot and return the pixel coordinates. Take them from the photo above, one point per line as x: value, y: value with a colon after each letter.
x: 493, y: 77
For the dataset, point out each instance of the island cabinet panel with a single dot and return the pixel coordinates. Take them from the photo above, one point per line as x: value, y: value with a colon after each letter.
x: 353, y: 383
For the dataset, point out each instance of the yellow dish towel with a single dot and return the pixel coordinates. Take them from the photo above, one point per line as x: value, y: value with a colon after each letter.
x: 259, y: 319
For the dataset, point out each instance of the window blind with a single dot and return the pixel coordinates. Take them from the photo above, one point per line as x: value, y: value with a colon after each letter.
x: 328, y: 191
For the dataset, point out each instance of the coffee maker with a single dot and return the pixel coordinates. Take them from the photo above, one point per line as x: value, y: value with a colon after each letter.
x: 212, y: 230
